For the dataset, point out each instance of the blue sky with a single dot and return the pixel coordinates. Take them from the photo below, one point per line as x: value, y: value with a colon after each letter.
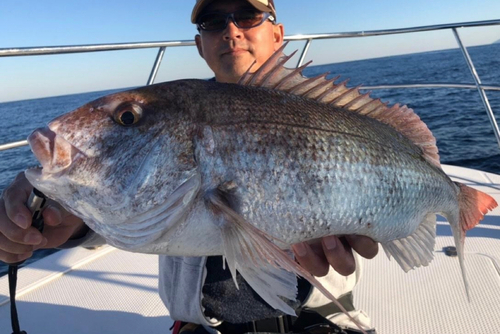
x: 25, y: 23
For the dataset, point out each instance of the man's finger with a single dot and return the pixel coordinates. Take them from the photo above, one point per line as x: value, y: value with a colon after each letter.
x: 56, y: 235
x: 52, y: 215
x: 364, y: 246
x: 13, y: 258
x: 14, y: 200
x: 14, y: 233
x: 13, y: 247
x: 310, y: 260
x: 10, y: 230
x: 339, y: 255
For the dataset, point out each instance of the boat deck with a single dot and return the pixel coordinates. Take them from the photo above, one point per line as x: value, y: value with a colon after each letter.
x: 112, y: 291
x: 88, y: 291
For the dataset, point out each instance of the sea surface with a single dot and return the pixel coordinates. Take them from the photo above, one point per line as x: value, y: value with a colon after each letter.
x: 455, y: 116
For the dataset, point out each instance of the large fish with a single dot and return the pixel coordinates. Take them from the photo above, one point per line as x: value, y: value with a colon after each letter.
x: 195, y: 168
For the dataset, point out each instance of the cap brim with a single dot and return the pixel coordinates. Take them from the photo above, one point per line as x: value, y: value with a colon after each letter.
x: 198, y: 7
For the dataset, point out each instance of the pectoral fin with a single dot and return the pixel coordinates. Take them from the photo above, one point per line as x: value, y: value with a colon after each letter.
x: 257, y: 259
x: 269, y: 270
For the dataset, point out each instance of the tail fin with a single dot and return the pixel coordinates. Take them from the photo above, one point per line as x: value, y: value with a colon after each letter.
x: 473, y: 205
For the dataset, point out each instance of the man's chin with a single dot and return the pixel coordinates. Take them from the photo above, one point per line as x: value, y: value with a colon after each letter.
x: 236, y: 71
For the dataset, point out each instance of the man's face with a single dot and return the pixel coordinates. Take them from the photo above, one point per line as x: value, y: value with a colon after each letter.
x: 230, y: 52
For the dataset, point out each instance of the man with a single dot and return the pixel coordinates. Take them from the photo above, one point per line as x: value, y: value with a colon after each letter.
x: 233, y: 34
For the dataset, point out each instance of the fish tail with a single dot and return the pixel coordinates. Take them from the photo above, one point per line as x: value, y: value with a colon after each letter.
x: 472, y: 206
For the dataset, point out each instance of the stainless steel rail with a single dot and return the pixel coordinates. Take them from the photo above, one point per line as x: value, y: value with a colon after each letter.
x: 394, y: 31
x: 46, y: 50
x: 481, y: 91
x: 13, y: 145
x: 51, y: 50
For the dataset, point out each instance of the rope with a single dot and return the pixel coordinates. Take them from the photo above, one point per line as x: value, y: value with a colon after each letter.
x: 35, y: 203
x: 13, y: 309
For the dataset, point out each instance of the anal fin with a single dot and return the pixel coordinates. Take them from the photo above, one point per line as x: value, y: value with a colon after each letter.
x: 417, y: 249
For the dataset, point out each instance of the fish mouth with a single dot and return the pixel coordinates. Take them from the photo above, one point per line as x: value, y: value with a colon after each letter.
x: 55, y: 154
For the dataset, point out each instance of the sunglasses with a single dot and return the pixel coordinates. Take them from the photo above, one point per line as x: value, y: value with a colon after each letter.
x: 244, y: 19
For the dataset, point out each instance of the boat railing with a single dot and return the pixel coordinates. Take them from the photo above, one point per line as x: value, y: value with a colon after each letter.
x: 162, y: 46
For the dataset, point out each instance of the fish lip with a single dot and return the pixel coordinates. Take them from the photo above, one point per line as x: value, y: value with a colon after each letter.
x: 56, y: 155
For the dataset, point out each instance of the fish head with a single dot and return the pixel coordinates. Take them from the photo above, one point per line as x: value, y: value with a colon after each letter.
x: 124, y: 163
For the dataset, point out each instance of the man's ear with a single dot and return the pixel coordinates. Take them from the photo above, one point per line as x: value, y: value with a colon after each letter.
x: 197, y: 39
x: 279, y: 34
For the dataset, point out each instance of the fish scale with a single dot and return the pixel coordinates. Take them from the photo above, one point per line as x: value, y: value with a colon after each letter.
x: 237, y: 158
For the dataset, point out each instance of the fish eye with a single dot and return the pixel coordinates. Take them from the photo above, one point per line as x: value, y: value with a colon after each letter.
x: 127, y: 114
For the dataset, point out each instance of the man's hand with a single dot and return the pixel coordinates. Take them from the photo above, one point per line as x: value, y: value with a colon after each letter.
x: 317, y: 256
x: 18, y: 239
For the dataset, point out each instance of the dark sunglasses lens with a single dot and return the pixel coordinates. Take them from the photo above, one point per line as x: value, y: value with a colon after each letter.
x: 248, y: 18
x: 214, y: 21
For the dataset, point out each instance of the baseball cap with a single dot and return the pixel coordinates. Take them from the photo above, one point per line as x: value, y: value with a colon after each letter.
x: 262, y: 5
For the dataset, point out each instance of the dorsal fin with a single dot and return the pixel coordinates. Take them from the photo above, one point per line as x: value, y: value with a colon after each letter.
x: 272, y: 74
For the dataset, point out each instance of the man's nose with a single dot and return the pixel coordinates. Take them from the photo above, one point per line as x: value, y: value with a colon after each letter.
x: 232, y: 31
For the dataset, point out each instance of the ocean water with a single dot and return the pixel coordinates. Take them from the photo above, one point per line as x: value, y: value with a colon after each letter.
x: 455, y: 116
